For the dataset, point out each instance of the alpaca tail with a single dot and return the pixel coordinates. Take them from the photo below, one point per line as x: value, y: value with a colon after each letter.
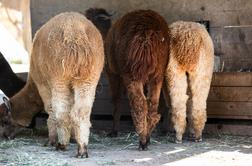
x: 143, y: 53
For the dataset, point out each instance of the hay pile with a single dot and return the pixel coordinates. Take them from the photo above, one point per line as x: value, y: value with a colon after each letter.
x: 26, y: 151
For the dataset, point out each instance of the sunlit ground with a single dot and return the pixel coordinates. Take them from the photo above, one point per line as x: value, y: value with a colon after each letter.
x: 213, y: 151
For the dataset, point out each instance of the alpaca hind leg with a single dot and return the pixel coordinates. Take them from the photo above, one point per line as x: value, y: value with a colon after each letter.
x: 199, y: 86
x: 139, y: 111
x: 153, y: 117
x: 61, y: 97
x: 52, y: 131
x: 177, y: 83
x: 191, y: 135
x: 115, y: 84
x: 46, y: 96
x: 84, y: 95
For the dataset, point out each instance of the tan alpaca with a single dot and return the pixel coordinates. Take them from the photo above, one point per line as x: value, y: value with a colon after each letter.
x: 190, y: 65
x: 66, y: 62
x: 27, y: 103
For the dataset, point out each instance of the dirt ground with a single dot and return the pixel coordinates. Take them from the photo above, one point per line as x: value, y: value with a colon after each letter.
x: 224, y: 150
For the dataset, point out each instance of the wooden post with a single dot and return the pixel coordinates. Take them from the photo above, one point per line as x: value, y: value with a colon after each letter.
x: 15, y: 18
x: 27, y: 34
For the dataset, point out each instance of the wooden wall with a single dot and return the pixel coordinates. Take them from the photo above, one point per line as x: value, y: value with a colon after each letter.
x: 230, y: 20
x: 230, y: 97
x: 230, y: 29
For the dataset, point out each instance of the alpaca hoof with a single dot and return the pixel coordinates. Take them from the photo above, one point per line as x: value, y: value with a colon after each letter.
x: 82, y: 152
x: 198, y: 139
x: 45, y: 144
x: 52, y: 143
x: 82, y: 155
x: 191, y: 137
x: 177, y: 141
x: 72, y: 140
x: 143, y: 147
x: 112, y: 134
x: 8, y: 136
x: 61, y: 147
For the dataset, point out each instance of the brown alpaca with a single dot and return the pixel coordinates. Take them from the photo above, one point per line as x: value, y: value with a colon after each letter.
x: 137, y: 54
x: 66, y: 62
x: 100, y: 18
x: 192, y: 59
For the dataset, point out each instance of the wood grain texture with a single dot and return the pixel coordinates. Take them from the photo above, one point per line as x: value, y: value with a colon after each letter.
x: 236, y: 79
x: 229, y: 110
x: 230, y: 129
x: 241, y: 94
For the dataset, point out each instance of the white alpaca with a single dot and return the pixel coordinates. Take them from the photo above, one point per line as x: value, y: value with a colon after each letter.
x: 190, y: 65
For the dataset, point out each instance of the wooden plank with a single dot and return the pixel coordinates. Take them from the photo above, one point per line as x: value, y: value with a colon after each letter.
x: 241, y: 94
x: 214, y: 129
x: 230, y: 129
x: 232, y: 79
x: 125, y: 126
x: 229, y: 110
x: 225, y: 87
x: 105, y: 107
x: 219, y: 116
x: 222, y: 101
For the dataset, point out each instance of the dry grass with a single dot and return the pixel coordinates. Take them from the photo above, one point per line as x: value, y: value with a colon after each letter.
x: 29, y: 149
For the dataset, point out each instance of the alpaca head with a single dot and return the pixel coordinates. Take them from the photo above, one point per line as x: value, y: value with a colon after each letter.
x: 9, y: 127
x: 100, y: 18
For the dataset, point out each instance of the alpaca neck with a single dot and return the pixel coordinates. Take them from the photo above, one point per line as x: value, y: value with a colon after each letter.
x: 26, y: 104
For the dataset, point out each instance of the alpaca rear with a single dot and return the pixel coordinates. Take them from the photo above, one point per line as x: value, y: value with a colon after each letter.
x: 66, y: 63
x: 27, y: 103
x: 143, y: 54
x: 192, y: 55
x: 137, y: 54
